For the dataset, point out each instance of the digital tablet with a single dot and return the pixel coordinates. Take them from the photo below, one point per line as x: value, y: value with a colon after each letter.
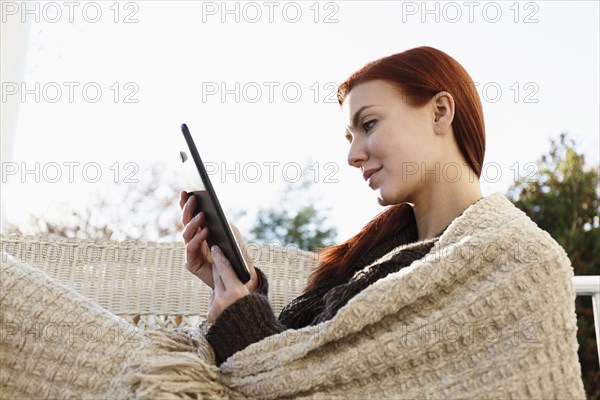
x: 220, y: 232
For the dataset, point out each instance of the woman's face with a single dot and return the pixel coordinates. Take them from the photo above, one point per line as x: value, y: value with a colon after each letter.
x: 393, y: 143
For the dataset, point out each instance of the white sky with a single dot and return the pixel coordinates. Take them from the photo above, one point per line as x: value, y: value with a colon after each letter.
x: 176, y: 50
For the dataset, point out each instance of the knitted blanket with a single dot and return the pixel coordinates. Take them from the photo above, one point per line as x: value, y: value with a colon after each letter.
x: 488, y: 313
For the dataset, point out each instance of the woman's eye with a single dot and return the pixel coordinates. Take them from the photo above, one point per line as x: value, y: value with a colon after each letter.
x: 369, y: 124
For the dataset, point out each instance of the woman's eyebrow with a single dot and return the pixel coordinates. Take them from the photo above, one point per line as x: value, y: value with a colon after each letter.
x: 355, y: 117
x: 347, y: 135
x: 357, y: 113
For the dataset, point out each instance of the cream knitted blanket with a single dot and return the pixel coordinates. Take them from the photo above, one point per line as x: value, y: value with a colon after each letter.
x: 488, y: 313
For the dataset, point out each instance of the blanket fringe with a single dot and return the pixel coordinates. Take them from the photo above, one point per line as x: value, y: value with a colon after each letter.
x: 175, y: 366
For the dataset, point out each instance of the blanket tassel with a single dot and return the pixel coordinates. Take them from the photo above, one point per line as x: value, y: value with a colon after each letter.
x: 175, y: 368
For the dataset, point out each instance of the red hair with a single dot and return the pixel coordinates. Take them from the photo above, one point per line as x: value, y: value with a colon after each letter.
x: 420, y: 74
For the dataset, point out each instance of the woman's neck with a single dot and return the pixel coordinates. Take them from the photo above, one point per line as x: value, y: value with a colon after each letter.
x: 437, y: 207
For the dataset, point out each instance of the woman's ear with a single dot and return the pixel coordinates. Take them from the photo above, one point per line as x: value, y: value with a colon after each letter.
x: 443, y: 104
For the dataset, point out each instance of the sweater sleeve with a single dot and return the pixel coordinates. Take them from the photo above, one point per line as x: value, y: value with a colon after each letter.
x: 263, y: 283
x: 248, y: 320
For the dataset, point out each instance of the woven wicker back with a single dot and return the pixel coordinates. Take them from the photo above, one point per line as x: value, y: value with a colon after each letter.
x: 147, y: 282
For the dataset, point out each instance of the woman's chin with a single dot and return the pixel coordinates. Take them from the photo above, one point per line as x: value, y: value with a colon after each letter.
x: 382, y: 199
x: 387, y: 199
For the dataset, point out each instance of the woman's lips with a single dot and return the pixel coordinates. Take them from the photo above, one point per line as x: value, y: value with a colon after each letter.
x: 370, y: 176
x: 367, y: 174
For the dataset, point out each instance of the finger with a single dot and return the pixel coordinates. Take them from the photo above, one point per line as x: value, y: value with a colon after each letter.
x: 188, y: 210
x: 194, y: 245
x: 218, y: 282
x: 193, y: 227
x: 241, y: 243
x: 183, y: 196
x: 224, y: 268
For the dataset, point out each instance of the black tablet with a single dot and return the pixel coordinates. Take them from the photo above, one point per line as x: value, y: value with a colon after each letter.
x: 220, y: 233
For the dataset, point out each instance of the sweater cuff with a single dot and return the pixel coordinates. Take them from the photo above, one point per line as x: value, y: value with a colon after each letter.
x: 248, y: 320
x: 263, y: 283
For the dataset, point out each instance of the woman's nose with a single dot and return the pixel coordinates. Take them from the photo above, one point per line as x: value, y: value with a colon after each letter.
x: 357, y: 154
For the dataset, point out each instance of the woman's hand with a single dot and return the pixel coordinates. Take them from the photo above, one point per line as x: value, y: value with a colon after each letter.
x: 228, y: 287
x: 198, y: 256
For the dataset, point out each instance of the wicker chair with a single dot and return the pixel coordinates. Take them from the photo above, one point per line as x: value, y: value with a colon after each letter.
x: 146, y: 283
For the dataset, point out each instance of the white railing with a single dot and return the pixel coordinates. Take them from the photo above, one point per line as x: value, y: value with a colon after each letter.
x: 589, y: 285
x: 14, y: 45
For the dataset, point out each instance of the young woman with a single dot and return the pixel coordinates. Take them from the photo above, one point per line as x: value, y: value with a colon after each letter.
x: 415, y: 129
x: 446, y: 294
x: 403, y: 130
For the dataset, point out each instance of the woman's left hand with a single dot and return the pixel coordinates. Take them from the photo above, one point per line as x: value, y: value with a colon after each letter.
x: 227, y: 286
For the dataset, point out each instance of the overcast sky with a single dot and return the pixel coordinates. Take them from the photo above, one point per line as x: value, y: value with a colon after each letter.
x: 255, y: 82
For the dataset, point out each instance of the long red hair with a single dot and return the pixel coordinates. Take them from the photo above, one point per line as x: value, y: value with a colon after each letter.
x: 420, y: 74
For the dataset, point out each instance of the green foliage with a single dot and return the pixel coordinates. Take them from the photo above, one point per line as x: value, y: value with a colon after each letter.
x: 563, y: 199
x: 294, y: 221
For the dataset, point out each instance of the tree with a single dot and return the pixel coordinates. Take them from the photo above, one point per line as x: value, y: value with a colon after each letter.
x: 144, y: 207
x: 147, y: 209
x: 294, y: 221
x: 564, y: 200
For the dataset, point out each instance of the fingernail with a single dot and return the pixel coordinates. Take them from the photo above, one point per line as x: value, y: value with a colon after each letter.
x: 213, y: 249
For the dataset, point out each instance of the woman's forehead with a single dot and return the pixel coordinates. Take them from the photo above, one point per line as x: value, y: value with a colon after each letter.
x: 370, y: 91
x: 375, y: 92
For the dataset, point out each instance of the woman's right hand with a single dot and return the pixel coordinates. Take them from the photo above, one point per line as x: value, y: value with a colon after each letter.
x: 198, y: 256
x: 198, y: 259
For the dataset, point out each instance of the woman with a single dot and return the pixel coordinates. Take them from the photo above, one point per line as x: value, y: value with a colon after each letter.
x: 396, y: 122
x: 415, y: 129
x: 446, y: 294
